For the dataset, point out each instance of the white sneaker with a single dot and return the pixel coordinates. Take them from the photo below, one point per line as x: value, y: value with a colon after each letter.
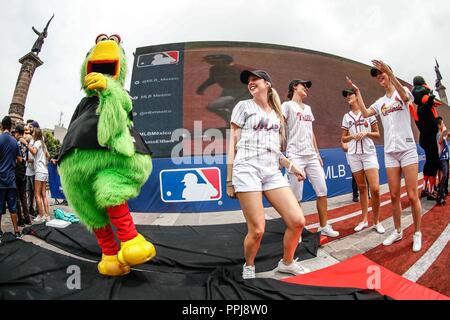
x: 417, y: 241
x: 361, y: 226
x: 379, y: 228
x: 328, y: 231
x: 248, y: 272
x: 394, y: 237
x: 293, y: 268
x: 38, y: 219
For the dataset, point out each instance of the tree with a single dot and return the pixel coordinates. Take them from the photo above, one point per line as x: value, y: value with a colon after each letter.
x: 53, y: 144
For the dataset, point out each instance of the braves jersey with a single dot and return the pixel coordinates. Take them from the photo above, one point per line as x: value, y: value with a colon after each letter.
x: 260, y: 130
x: 356, y: 123
x: 395, y: 116
x: 299, y: 130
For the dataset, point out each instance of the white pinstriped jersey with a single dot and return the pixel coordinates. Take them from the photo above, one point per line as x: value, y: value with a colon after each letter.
x: 299, y: 130
x: 260, y: 131
x: 356, y: 123
x: 396, y: 119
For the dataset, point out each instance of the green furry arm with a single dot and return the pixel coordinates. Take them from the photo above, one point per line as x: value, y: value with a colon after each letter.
x: 113, y: 124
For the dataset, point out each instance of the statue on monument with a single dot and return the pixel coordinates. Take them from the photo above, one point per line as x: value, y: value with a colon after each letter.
x: 438, y: 75
x: 37, y: 46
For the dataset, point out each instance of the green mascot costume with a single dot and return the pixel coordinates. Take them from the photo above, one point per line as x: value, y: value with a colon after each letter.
x: 104, y: 162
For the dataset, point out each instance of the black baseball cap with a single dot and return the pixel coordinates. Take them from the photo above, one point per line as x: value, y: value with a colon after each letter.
x: 348, y: 92
x: 257, y: 73
x: 20, y: 129
x: 295, y: 82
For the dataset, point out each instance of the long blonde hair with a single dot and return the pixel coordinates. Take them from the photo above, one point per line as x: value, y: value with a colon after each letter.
x: 275, y: 102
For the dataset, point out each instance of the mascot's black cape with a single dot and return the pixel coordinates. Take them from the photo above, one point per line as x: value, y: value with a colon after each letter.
x: 82, y: 131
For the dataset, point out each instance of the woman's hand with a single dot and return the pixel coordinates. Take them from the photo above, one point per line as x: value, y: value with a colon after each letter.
x: 351, y: 84
x: 360, y: 136
x: 299, y: 173
x: 230, y: 191
x: 383, y: 67
x: 23, y: 141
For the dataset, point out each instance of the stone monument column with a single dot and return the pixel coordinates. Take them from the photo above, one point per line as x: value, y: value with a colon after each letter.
x: 17, y: 107
x: 29, y: 62
x: 440, y: 88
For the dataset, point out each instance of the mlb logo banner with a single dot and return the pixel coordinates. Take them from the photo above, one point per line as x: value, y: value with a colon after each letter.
x: 158, y: 59
x: 190, y: 185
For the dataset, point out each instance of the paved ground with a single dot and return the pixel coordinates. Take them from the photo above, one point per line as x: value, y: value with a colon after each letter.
x: 328, y: 254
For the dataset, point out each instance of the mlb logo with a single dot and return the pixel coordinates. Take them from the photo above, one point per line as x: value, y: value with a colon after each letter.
x: 190, y: 185
x: 158, y: 59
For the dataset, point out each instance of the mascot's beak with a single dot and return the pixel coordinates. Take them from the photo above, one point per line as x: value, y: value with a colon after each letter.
x: 105, y: 58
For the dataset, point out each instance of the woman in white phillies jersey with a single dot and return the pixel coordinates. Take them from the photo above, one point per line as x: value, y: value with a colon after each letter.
x: 253, y: 169
x: 302, y: 150
x: 358, y: 132
x: 400, y: 151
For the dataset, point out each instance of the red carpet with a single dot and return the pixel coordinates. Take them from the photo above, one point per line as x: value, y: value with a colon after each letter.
x: 358, y: 272
x: 433, y: 277
x: 399, y: 257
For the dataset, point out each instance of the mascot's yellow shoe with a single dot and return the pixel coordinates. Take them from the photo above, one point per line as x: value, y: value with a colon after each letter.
x: 110, y: 266
x: 136, y: 251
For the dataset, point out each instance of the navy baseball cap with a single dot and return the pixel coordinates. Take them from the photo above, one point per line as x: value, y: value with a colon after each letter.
x: 257, y: 73
x: 35, y: 124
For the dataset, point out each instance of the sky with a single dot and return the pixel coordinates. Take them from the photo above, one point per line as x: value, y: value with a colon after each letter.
x: 408, y: 35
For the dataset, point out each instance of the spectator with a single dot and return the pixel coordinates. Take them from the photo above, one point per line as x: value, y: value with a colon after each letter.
x: 29, y: 173
x: 41, y: 156
x: 9, y: 154
x: 22, y: 207
x: 443, y: 159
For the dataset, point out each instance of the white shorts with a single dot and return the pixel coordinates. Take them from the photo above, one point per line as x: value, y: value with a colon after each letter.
x: 401, y: 159
x: 359, y: 162
x: 41, y: 177
x: 314, y: 173
x: 258, y: 175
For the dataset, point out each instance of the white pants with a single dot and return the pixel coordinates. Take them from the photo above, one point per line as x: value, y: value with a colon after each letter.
x: 314, y: 173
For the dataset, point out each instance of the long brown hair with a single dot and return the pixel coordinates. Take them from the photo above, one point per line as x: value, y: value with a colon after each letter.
x: 37, y: 135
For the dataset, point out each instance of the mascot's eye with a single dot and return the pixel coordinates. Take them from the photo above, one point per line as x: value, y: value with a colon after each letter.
x: 115, y: 37
x: 101, y: 37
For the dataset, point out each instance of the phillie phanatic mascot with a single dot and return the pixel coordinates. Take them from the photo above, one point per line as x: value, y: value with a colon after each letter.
x: 425, y: 118
x: 104, y: 162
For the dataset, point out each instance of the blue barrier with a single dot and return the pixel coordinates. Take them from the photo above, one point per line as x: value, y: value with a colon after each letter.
x: 196, y: 185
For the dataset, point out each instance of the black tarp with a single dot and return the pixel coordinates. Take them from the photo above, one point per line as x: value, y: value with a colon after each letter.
x: 188, y: 248
x: 30, y: 272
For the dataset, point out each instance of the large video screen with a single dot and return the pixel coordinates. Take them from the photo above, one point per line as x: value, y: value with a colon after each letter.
x: 184, y: 93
